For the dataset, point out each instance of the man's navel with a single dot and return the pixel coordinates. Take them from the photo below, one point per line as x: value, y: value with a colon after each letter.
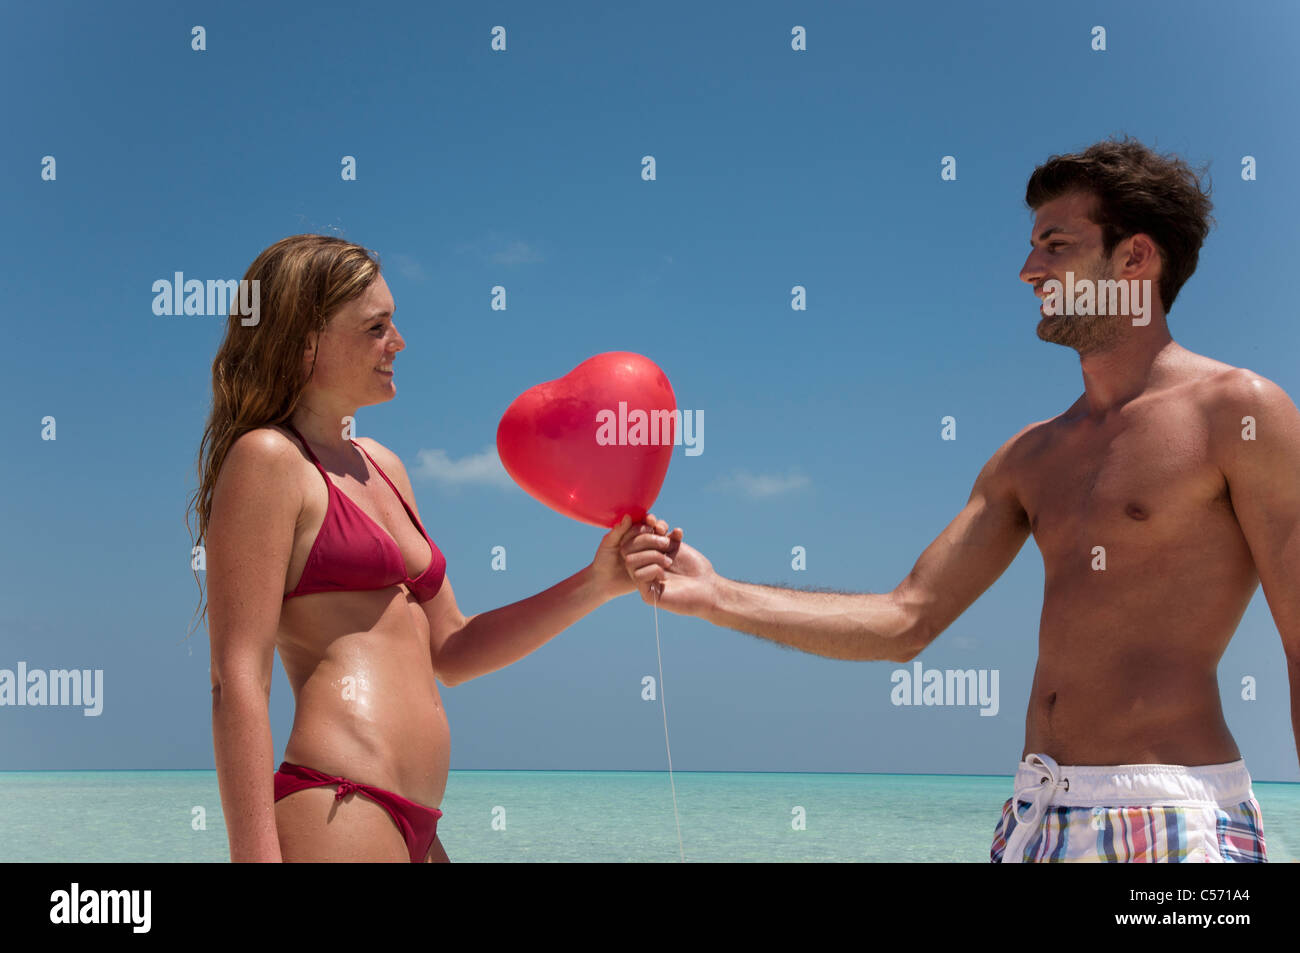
x: 1136, y: 512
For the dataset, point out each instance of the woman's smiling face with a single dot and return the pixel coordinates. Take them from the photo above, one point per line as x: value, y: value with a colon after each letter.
x: 354, y: 356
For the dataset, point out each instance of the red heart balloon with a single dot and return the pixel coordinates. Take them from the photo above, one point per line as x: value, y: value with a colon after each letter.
x: 595, y: 444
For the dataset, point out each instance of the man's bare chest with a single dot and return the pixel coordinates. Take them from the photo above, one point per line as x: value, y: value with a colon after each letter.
x: 1144, y: 478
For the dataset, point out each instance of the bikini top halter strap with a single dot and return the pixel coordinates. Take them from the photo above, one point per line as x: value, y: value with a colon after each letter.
x: 415, y: 519
x: 306, y: 446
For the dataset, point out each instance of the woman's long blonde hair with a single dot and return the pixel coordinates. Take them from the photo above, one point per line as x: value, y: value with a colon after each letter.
x: 257, y: 375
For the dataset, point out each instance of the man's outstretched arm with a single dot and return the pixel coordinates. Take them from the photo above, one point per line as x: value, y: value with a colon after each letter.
x: 966, y: 558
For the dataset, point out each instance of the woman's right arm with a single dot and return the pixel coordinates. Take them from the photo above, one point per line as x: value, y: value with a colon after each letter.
x: 255, y: 506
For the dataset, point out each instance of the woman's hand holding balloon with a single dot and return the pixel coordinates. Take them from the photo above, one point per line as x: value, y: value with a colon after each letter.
x: 607, y: 568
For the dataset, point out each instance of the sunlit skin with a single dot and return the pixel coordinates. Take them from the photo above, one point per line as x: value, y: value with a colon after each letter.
x: 1150, y: 464
x: 364, y: 666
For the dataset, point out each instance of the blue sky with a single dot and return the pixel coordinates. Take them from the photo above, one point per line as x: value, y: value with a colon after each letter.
x: 522, y: 168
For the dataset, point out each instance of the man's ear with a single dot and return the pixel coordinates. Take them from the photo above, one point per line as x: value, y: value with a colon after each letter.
x: 1142, y: 251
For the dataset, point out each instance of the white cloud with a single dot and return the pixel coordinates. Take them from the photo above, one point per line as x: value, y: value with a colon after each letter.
x: 759, y: 486
x: 479, y: 469
x: 496, y: 249
x: 517, y: 253
x: 409, y: 267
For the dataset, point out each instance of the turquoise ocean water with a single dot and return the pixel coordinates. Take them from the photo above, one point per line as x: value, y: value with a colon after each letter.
x: 71, y: 816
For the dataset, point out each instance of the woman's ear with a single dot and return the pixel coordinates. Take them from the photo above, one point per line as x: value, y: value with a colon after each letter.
x: 309, y: 352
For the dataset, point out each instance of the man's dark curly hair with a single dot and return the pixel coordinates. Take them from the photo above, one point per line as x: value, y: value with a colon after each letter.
x: 1136, y: 190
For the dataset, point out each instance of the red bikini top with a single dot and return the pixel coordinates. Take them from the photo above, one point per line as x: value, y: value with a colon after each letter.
x: 352, y: 551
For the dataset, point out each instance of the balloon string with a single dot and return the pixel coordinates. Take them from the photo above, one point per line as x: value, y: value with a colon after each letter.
x: 663, y: 701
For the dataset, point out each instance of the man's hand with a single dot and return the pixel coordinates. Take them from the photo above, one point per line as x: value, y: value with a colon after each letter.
x: 668, y: 572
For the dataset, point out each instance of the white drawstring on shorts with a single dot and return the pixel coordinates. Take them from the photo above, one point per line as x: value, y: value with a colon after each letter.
x: 1049, y: 782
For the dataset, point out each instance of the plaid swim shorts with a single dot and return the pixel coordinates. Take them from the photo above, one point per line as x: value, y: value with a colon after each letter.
x: 1129, y: 812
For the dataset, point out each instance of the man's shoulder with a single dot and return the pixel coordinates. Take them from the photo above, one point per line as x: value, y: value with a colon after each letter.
x: 1021, y: 449
x: 1212, y: 383
x: 1240, y: 410
x: 1230, y: 388
x: 1033, y: 437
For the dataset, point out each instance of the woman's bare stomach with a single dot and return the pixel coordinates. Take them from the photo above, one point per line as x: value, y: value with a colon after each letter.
x: 366, y: 702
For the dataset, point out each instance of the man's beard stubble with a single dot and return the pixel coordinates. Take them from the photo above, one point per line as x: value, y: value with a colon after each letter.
x: 1083, y: 332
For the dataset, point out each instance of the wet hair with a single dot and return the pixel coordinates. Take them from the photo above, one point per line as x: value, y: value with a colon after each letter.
x: 258, y: 375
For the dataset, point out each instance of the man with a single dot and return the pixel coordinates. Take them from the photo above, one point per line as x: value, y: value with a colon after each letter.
x: 1159, y: 500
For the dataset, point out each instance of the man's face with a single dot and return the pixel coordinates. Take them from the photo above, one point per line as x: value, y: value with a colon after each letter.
x: 1065, y: 239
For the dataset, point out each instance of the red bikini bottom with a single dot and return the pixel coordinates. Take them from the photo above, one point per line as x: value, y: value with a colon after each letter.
x: 418, y: 824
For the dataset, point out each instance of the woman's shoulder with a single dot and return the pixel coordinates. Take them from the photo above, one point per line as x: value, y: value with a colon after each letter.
x: 265, y: 443
x: 388, y: 461
x: 263, y: 450
x: 379, y: 451
x: 258, y: 469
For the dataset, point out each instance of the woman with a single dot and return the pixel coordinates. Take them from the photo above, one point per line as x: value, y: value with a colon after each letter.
x: 315, y: 547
